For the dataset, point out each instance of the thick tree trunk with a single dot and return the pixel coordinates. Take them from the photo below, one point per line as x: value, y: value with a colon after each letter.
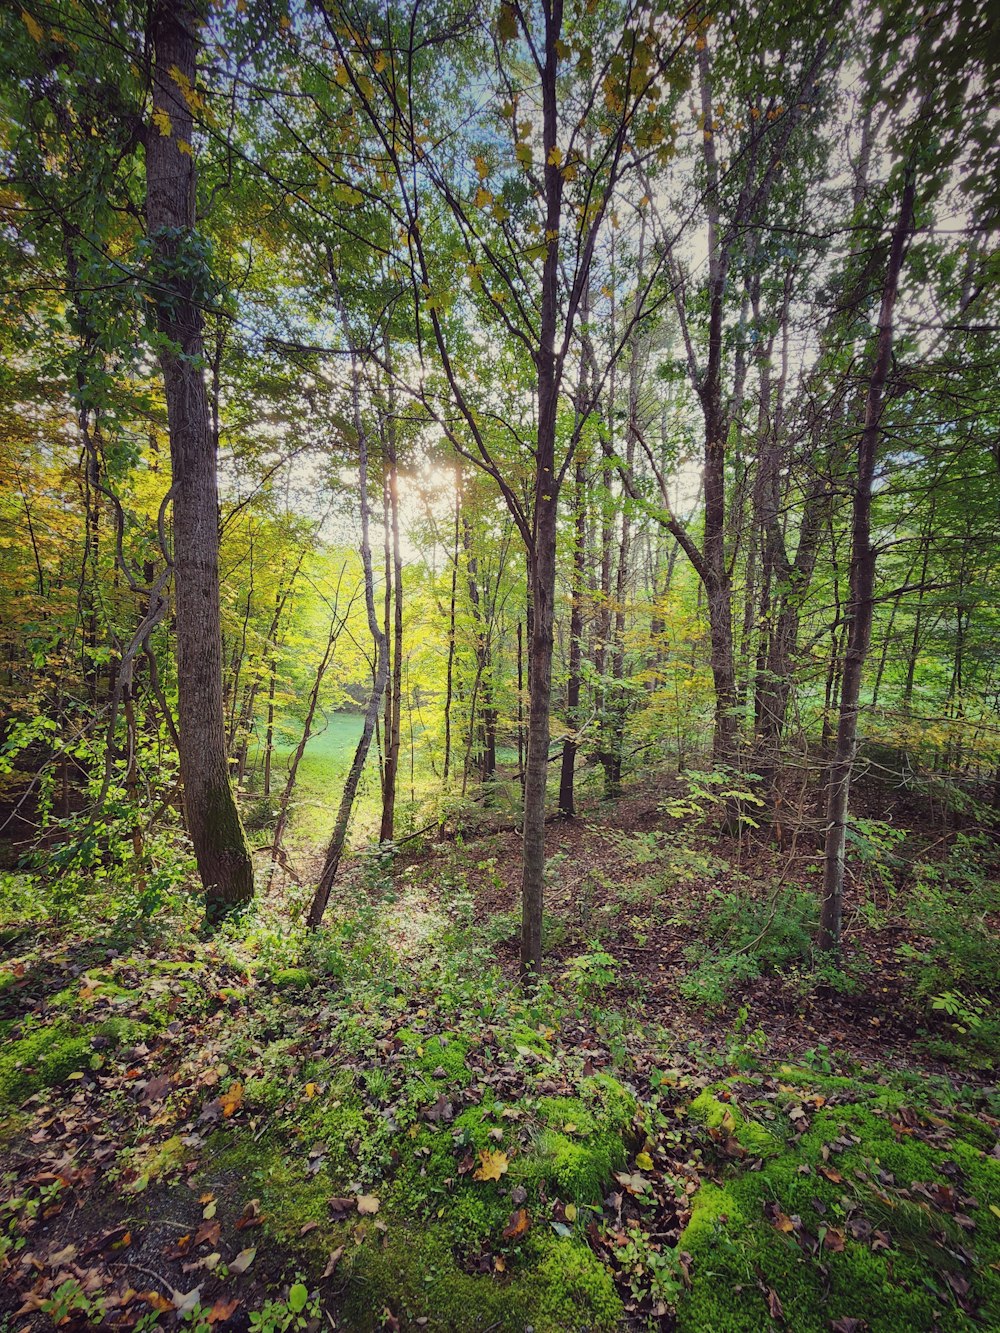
x: 213, y: 820
x: 862, y: 587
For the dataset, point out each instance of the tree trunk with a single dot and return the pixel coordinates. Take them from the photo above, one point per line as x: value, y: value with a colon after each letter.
x: 542, y: 552
x: 394, y: 700
x: 213, y: 820
x: 451, y: 628
x: 338, y: 838
x: 862, y: 587
x: 568, y: 769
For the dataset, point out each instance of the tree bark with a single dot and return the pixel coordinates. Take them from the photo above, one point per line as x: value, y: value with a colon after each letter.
x: 862, y: 587
x: 394, y: 698
x: 542, y: 552
x: 338, y: 839
x: 213, y: 820
x: 568, y: 770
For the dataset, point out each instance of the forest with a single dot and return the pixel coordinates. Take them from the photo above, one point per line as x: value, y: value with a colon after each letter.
x: 499, y: 665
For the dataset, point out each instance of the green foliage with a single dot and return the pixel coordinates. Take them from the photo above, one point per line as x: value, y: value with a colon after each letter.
x: 737, y: 1254
x: 750, y: 936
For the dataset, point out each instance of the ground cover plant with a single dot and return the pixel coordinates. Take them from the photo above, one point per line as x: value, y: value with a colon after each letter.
x: 499, y: 689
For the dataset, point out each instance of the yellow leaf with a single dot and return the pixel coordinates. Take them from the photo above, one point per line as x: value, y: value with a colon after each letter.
x: 33, y: 26
x: 570, y: 1211
x: 569, y: 1127
x: 368, y: 1204
x: 184, y: 147
x: 643, y: 1161
x: 379, y: 63
x: 492, y: 1165
x: 482, y: 167
x: 483, y: 198
x: 555, y: 156
x: 311, y: 1090
x: 161, y: 119
x: 232, y: 1100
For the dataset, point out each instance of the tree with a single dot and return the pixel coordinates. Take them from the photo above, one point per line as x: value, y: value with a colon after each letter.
x: 180, y: 283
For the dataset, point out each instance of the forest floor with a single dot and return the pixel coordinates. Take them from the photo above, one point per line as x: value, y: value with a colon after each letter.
x: 692, y: 1125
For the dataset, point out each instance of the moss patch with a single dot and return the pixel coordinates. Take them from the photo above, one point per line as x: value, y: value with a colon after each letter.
x: 864, y: 1216
x: 432, y: 1252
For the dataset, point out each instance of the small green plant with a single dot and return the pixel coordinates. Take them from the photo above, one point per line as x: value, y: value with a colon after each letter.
x: 590, y: 974
x: 965, y: 1014
x: 68, y: 1300
x: 280, y: 1316
x: 722, y: 786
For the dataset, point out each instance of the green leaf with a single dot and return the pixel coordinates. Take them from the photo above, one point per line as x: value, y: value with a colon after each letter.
x: 297, y: 1297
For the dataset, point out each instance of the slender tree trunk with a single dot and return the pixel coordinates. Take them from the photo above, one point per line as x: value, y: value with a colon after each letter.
x: 542, y: 549
x: 449, y: 686
x: 213, y: 820
x: 568, y: 770
x: 336, y: 625
x: 269, y: 730
x: 394, y: 704
x: 338, y: 839
x: 862, y: 586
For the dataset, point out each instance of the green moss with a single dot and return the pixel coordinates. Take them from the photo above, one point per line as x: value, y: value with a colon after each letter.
x: 293, y: 978
x: 432, y: 1053
x: 289, y: 1197
x: 571, y: 1289
x: 716, y: 1114
x: 40, y: 1059
x: 154, y: 1163
x: 528, y: 1038
x: 732, y: 1242
x: 557, y: 1285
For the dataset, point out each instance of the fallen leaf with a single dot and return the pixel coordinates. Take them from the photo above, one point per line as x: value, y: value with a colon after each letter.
x: 492, y: 1165
x: 232, y: 1100
x: 243, y: 1260
x: 222, y: 1310
x: 367, y: 1204
x: 643, y: 1161
x: 333, y: 1260
x: 518, y: 1224
x: 570, y: 1211
x: 159, y: 1303
x: 774, y: 1304
x: 207, y: 1234
x: 185, y: 1301
x: 251, y: 1216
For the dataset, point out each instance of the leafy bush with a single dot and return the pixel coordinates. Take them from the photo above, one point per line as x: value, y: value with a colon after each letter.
x: 949, y: 909
x: 750, y: 936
